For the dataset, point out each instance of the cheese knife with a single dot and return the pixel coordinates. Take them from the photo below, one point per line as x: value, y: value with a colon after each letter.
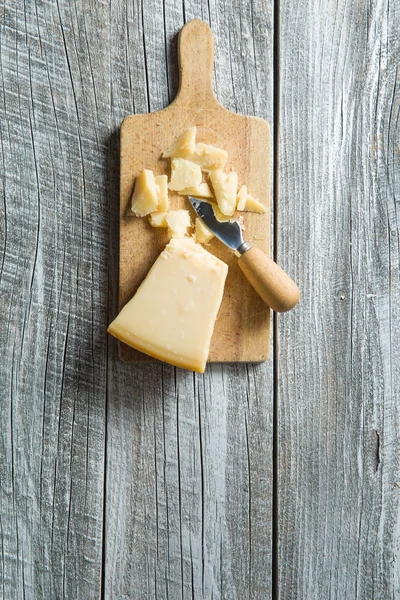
x: 271, y: 283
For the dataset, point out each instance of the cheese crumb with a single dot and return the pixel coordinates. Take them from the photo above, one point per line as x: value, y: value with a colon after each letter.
x: 192, y: 278
x: 241, y: 223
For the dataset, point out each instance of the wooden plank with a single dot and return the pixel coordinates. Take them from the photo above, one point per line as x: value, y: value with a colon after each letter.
x: 339, y: 350
x: 189, y: 484
x: 241, y: 331
x: 54, y: 114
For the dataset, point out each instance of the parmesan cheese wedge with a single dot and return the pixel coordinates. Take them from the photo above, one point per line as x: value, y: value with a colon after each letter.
x: 225, y: 189
x: 184, y: 174
x: 199, y: 191
x: 203, y: 235
x: 178, y: 222
x: 184, y: 145
x: 162, y: 192
x: 171, y: 317
x: 144, y: 198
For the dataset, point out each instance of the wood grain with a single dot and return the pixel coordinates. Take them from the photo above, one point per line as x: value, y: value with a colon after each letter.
x: 189, y: 461
x: 242, y: 329
x: 186, y: 460
x: 339, y: 380
x: 53, y: 296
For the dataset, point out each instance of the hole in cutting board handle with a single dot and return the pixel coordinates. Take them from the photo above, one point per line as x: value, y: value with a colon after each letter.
x: 196, y: 64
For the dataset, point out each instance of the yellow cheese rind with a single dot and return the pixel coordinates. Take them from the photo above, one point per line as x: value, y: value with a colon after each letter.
x: 225, y: 189
x: 184, y: 145
x: 203, y: 234
x: 199, y: 191
x: 253, y: 205
x: 171, y: 317
x: 158, y: 219
x: 144, y: 198
x: 178, y: 222
x: 162, y: 192
x: 184, y: 174
x: 208, y: 157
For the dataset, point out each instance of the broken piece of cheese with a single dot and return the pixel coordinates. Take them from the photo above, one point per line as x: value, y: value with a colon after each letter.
x: 248, y: 203
x: 178, y: 222
x: 162, y: 192
x: 144, y: 198
x: 184, y: 145
x: 199, y: 191
x: 171, y: 317
x: 184, y: 174
x: 208, y: 157
x: 225, y: 188
x: 218, y: 214
x: 241, y: 197
x: 202, y: 233
x: 158, y: 219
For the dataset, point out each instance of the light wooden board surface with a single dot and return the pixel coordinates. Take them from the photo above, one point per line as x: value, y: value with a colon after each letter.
x: 241, y: 332
x: 143, y: 481
x: 339, y: 357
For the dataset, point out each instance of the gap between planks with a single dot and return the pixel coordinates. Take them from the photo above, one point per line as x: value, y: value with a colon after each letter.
x: 275, y: 200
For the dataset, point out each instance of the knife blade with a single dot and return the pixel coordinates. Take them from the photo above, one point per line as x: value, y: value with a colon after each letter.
x: 228, y: 232
x: 272, y: 284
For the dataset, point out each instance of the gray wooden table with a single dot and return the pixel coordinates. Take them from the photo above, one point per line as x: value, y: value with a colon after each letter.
x: 278, y: 480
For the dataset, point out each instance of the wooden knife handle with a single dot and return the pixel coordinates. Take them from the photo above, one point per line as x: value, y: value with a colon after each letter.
x: 274, y: 286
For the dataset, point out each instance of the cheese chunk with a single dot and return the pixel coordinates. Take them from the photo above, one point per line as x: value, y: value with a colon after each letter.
x: 203, y: 234
x: 253, y: 205
x: 218, y: 214
x: 199, y: 191
x: 158, y: 219
x: 171, y: 317
x: 144, y: 198
x: 241, y: 198
x: 184, y: 174
x: 208, y: 157
x: 178, y: 222
x: 162, y: 192
x: 247, y: 203
x: 184, y: 146
x: 225, y: 188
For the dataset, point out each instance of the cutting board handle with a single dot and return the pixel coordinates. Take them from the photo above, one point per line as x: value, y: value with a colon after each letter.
x: 196, y: 63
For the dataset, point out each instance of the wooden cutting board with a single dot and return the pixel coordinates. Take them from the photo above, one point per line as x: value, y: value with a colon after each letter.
x: 242, y: 329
